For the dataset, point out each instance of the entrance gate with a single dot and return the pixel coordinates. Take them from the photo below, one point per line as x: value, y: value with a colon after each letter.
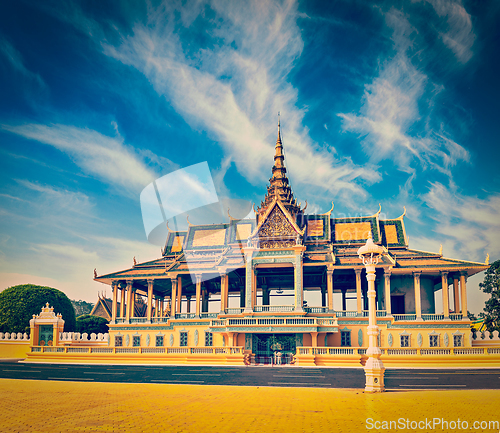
x: 273, y: 348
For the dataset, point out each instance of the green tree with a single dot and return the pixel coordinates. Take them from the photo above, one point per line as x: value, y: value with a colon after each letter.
x: 82, y: 307
x: 91, y: 324
x: 19, y: 303
x: 491, y: 285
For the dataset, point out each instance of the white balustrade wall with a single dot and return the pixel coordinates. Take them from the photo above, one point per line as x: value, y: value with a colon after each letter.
x: 487, y: 336
x: 13, y: 336
x: 76, y: 336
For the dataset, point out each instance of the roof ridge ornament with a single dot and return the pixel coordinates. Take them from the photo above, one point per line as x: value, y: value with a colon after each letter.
x: 404, y: 213
x: 441, y: 250
x: 487, y: 260
x: 330, y: 211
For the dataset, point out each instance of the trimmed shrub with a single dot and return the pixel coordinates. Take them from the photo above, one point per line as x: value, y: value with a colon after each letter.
x: 91, y: 324
x: 19, y: 303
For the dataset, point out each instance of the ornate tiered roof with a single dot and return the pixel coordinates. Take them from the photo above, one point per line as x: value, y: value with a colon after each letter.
x: 330, y: 242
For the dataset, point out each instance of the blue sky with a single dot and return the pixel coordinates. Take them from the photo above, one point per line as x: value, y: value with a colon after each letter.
x: 381, y: 102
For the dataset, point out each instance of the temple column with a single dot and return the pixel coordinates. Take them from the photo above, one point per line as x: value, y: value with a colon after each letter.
x: 248, y: 286
x: 359, y: 301
x: 114, y: 288
x: 456, y: 296
x: 242, y: 297
x: 198, y: 294
x: 188, y: 304
x: 299, y: 290
x: 265, y: 295
x: 123, y: 292
x: 224, y: 281
x: 463, y: 279
x: 418, y: 299
x: 150, y: 299
x: 387, y: 291
x: 130, y: 300
x: 179, y: 294
x: 173, y: 297
x: 254, y: 287
x: 314, y: 339
x: 204, y: 299
x: 329, y: 288
x: 444, y: 286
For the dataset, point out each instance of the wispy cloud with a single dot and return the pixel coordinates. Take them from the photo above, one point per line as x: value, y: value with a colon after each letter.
x: 234, y: 88
x: 471, y: 224
x: 396, y: 118
x: 57, y: 200
x: 16, y: 62
x: 457, y: 34
x: 107, y: 158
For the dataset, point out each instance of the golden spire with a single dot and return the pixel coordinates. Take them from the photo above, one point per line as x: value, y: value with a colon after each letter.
x: 278, y: 183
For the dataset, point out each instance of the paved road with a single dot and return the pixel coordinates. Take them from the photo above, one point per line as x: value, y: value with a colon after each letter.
x: 252, y: 376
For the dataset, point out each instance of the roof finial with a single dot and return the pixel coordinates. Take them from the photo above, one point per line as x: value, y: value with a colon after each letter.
x: 487, y: 261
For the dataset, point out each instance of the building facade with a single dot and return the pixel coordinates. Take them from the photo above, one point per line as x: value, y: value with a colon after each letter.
x: 241, y: 288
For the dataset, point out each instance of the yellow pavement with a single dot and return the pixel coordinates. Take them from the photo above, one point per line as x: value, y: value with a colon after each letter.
x: 45, y: 406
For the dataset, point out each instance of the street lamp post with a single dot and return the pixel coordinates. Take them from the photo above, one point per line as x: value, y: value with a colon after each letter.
x: 370, y: 254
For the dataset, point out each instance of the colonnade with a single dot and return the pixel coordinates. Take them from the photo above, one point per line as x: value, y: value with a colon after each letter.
x: 249, y: 294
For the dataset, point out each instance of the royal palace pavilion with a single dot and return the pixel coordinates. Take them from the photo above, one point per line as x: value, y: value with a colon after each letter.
x: 234, y: 293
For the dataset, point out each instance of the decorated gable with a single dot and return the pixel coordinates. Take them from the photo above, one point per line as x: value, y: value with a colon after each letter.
x: 276, y: 225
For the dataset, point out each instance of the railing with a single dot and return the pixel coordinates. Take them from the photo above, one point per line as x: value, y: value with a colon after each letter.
x: 271, y: 321
x: 378, y: 313
x: 52, y: 349
x: 340, y: 351
x: 138, y: 319
x: 120, y: 320
x: 345, y: 313
x: 404, y: 317
x: 127, y: 350
x: 240, y: 322
x: 208, y: 315
x: 435, y: 351
x: 494, y: 351
x: 432, y: 317
x: 401, y: 351
x: 301, y: 321
x: 77, y: 349
x: 160, y: 319
x: 101, y: 350
x: 274, y: 321
x: 153, y: 350
x: 274, y: 308
x: 326, y: 322
x: 456, y: 316
x: 467, y: 351
x: 218, y: 322
x: 316, y: 309
x: 186, y: 315
x: 141, y: 350
x: 234, y: 310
